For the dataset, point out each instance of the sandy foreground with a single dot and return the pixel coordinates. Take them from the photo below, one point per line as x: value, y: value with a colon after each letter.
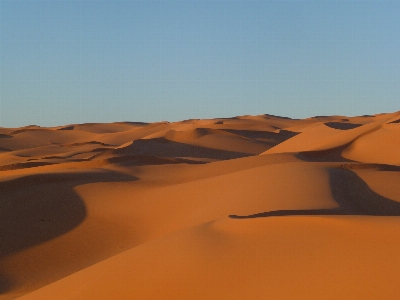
x: 251, y: 207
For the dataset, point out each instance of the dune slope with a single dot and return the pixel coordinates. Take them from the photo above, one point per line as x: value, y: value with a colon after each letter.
x: 251, y: 207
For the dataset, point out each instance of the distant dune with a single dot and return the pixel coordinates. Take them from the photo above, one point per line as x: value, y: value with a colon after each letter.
x: 250, y: 207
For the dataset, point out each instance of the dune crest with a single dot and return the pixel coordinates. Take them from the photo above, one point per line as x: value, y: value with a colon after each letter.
x: 249, y: 207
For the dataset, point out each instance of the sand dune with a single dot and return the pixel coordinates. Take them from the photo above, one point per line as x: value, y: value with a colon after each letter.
x: 250, y: 207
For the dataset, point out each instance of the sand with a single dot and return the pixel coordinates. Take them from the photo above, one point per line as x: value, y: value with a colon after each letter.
x: 250, y: 207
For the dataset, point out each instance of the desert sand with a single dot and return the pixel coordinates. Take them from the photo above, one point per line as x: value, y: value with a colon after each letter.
x: 249, y: 207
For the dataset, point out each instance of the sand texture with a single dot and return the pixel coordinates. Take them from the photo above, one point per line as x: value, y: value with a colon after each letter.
x: 250, y: 207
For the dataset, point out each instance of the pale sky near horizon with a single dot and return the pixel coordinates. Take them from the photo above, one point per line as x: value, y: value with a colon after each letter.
x: 64, y: 62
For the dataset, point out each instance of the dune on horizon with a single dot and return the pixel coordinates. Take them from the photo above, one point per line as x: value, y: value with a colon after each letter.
x: 249, y: 207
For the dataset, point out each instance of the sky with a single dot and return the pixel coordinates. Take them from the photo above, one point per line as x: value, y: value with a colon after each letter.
x: 66, y: 62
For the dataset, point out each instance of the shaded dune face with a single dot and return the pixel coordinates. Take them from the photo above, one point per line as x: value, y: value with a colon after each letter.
x: 328, y: 155
x: 161, y: 147
x: 33, y: 215
x: 268, y: 206
x: 355, y: 197
x: 352, y: 195
x: 38, y: 208
x: 342, y: 126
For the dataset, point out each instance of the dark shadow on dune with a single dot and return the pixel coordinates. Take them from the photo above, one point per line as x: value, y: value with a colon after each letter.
x: 277, y: 117
x: 6, y: 284
x: 41, y: 207
x: 380, y: 167
x: 342, y: 126
x: 23, y: 165
x: 356, y: 198
x: 394, y: 122
x: 146, y: 160
x: 5, y: 136
x: 28, y: 128
x: 329, y: 155
x: 291, y: 212
x: 67, y: 128
x: 161, y: 147
x: 133, y: 123
x: 272, y: 138
x: 143, y: 160
x: 390, y: 168
x: 85, y: 143
x: 229, y: 118
x: 319, y: 117
x: 351, y: 193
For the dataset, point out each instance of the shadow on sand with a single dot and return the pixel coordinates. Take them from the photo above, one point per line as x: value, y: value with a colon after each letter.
x: 351, y: 193
x: 161, y: 147
x: 271, y: 138
x: 5, y: 284
x: 329, y: 155
x: 38, y: 208
x: 342, y: 126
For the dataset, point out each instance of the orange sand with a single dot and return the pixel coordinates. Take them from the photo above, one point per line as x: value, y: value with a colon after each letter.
x: 251, y: 207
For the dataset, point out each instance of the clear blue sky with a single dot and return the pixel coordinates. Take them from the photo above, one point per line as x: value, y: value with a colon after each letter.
x: 68, y: 62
